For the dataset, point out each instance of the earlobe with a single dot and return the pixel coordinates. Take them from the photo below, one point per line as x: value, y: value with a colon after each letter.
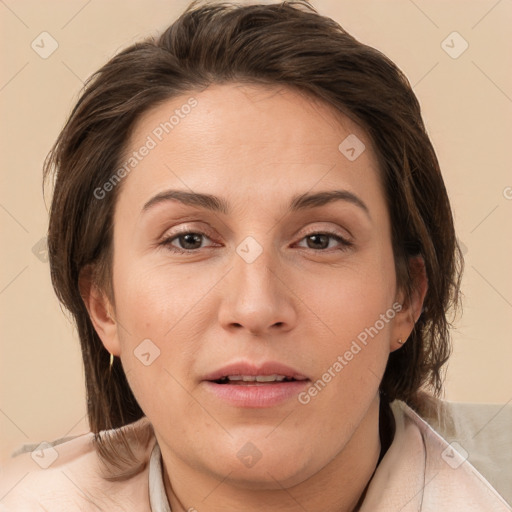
x: 100, y: 311
x: 412, y: 304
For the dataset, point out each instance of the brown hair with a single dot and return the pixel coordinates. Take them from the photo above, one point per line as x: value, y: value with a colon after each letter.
x: 287, y: 44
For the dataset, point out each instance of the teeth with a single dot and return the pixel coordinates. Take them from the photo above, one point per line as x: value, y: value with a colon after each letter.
x: 256, y: 378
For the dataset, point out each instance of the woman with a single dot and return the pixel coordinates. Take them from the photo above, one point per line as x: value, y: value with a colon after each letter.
x: 250, y: 228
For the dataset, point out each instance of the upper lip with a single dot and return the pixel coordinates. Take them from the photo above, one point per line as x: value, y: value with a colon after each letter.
x: 251, y: 369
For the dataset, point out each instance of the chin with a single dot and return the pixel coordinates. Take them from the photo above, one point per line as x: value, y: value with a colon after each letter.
x: 268, y: 477
x: 266, y: 468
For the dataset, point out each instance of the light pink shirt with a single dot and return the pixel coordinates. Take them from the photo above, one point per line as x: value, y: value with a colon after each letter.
x: 421, y: 471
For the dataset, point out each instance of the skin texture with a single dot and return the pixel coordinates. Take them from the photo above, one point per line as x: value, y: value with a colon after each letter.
x: 302, y: 302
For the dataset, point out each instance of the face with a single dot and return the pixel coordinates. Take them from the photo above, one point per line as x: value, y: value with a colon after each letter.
x: 254, y: 282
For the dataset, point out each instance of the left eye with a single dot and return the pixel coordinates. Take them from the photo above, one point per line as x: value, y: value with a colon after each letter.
x: 320, y: 241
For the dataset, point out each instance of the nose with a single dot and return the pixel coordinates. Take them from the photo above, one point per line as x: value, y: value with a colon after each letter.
x: 256, y: 297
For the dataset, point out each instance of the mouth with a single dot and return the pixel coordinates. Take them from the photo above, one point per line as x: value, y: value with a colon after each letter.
x: 246, y: 385
x: 254, y: 380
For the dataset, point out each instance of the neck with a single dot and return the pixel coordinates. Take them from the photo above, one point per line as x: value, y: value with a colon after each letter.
x: 339, y: 486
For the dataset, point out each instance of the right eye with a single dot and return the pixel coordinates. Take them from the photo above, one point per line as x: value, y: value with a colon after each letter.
x: 186, y: 242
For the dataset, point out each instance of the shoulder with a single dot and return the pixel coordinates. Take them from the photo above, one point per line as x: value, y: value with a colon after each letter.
x: 69, y: 474
x: 468, y: 451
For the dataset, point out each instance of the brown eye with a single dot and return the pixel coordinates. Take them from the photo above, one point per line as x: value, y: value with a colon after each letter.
x: 318, y: 241
x: 322, y: 241
x: 189, y: 241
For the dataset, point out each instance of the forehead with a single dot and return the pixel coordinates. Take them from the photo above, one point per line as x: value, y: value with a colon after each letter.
x: 249, y: 114
x: 235, y: 137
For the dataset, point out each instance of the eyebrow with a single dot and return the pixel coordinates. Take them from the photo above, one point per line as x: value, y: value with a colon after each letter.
x: 217, y: 204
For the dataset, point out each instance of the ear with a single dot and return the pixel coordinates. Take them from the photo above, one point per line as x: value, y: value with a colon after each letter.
x: 412, y: 305
x: 100, y: 311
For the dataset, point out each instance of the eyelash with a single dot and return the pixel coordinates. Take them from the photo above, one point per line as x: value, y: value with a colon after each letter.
x: 167, y: 242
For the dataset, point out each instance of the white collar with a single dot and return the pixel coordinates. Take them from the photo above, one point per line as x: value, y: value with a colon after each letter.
x: 157, y: 497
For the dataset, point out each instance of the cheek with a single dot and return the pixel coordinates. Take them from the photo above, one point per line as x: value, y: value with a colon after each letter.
x: 160, y: 313
x: 351, y: 312
x: 351, y: 298
x: 156, y: 300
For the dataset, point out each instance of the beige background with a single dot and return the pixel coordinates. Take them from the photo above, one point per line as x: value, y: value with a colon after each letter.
x: 467, y: 105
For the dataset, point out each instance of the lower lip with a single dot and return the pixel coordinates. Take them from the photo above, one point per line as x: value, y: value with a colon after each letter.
x: 256, y: 396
